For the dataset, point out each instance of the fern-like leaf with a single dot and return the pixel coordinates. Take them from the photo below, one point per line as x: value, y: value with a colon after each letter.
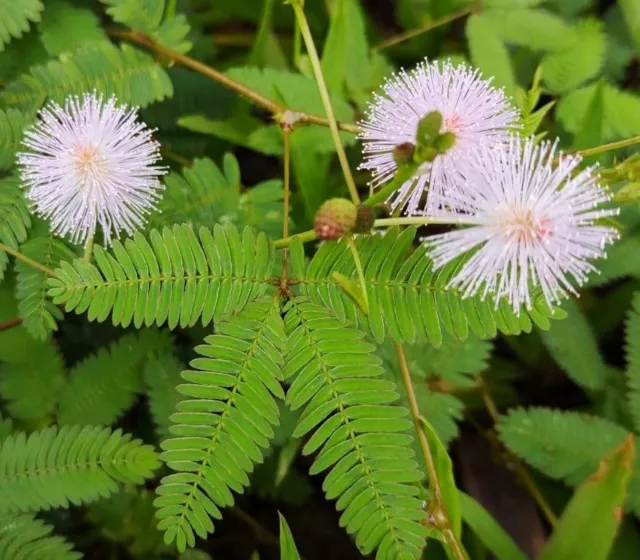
x: 24, y: 537
x: 359, y: 434
x: 175, y: 277
x: 32, y: 387
x: 227, y: 416
x: 12, y: 124
x: 14, y: 218
x: 103, y: 386
x: 632, y: 337
x: 39, y: 315
x: 129, y: 74
x: 72, y: 465
x: 204, y: 195
x: 16, y: 18
x: 408, y: 299
x: 564, y: 445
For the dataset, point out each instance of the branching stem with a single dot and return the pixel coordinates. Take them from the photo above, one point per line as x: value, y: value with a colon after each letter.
x: 246, y: 92
x: 440, y: 513
x: 358, y: 263
x: 326, y: 99
x: 9, y: 324
x: 26, y: 259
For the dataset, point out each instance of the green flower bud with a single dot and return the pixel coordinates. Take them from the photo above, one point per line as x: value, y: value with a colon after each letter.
x: 428, y: 129
x: 335, y: 219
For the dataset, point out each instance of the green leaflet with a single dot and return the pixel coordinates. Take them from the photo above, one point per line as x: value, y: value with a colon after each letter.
x: 489, y: 53
x: 17, y: 17
x: 23, y: 536
x: 358, y: 433
x: 288, y: 550
x: 408, y: 299
x: 224, y: 421
x: 488, y: 530
x: 71, y: 465
x: 174, y: 277
x: 14, y: 218
x: 131, y: 75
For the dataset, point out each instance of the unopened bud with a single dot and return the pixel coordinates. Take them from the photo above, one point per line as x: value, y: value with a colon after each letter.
x: 403, y: 153
x: 444, y: 142
x: 335, y: 218
x: 428, y: 128
x: 365, y: 218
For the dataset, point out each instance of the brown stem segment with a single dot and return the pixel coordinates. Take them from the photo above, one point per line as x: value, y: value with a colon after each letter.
x: 439, y: 508
x: 516, y: 464
x: 275, y: 108
x: 6, y: 325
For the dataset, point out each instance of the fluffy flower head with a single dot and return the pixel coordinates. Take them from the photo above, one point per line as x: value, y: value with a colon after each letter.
x: 532, y: 222
x: 471, y: 109
x: 91, y: 163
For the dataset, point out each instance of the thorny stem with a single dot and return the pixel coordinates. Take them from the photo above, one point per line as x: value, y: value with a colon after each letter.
x: 426, y: 27
x: 326, y: 100
x: 26, y: 259
x: 516, y: 464
x: 440, y: 513
x: 253, y: 96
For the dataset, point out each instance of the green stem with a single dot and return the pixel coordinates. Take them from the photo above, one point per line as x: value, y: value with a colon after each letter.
x: 441, y: 515
x: 286, y: 132
x: 609, y: 147
x: 326, y: 99
x: 403, y: 174
x: 310, y: 235
x: 26, y: 260
x: 426, y: 27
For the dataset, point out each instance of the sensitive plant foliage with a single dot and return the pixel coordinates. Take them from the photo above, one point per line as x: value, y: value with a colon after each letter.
x: 91, y: 163
x: 472, y: 110
x: 532, y: 216
x: 262, y: 367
